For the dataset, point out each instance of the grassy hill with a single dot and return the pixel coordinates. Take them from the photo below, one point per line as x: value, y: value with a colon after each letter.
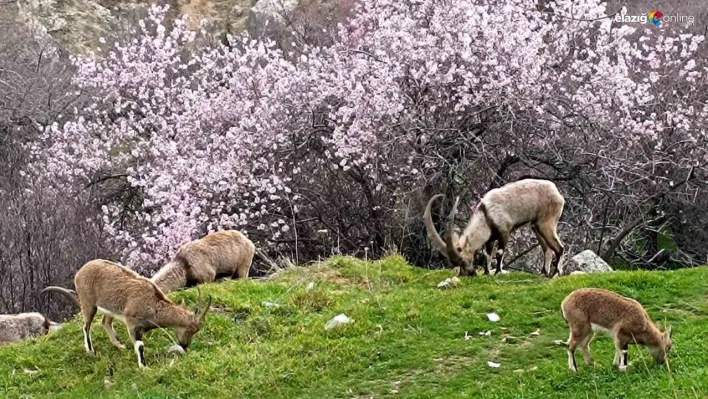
x: 408, y: 340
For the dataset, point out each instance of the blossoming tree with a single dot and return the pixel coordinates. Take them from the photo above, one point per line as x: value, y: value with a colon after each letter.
x: 323, y: 147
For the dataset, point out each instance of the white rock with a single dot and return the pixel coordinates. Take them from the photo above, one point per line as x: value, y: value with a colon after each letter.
x: 337, y: 321
x: 449, y: 282
x: 494, y: 365
x: 586, y: 262
x: 493, y: 317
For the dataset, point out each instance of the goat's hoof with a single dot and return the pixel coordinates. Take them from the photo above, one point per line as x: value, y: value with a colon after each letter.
x: 121, y: 347
x: 623, y: 369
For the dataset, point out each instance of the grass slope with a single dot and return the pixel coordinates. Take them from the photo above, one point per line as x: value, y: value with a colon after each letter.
x: 407, y: 340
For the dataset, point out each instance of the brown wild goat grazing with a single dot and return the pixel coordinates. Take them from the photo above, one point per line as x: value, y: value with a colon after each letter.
x: 500, y: 212
x: 593, y: 310
x: 120, y: 293
x: 15, y: 327
x: 222, y: 254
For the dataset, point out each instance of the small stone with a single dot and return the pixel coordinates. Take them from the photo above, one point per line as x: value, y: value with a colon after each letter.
x: 270, y: 304
x: 337, y: 321
x: 493, y: 317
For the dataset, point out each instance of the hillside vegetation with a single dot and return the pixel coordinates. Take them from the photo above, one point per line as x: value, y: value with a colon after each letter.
x: 407, y: 340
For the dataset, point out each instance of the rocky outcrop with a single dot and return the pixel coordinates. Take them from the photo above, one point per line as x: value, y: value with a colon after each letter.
x: 77, y: 25
x: 269, y: 15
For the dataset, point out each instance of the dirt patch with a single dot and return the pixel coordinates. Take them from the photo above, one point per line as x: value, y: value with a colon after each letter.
x: 452, y: 364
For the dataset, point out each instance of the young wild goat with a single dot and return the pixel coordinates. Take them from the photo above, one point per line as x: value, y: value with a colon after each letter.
x: 15, y: 327
x: 224, y: 253
x: 592, y: 310
x: 501, y: 211
x: 120, y: 293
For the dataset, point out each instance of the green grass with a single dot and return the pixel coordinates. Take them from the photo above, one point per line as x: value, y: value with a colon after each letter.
x: 407, y: 341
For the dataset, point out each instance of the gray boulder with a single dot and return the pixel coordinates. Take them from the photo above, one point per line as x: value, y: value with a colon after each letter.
x: 585, y: 262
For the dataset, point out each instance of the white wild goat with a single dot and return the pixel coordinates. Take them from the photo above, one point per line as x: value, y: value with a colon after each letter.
x: 500, y: 212
x: 120, y: 293
x: 16, y: 327
x: 222, y: 254
x: 592, y: 310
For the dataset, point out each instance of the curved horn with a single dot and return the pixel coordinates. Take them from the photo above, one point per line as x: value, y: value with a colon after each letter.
x: 455, y: 258
x: 433, y: 235
x: 203, y: 313
x: 67, y: 293
x: 199, y: 301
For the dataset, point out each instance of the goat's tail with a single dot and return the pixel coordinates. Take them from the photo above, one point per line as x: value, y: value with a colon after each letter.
x: 67, y: 293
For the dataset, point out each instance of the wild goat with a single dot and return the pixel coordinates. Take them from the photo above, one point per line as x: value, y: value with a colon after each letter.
x: 499, y: 213
x: 15, y: 327
x: 224, y: 253
x: 120, y: 293
x: 592, y: 310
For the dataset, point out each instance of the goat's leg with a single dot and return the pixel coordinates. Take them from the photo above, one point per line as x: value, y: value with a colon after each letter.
x: 548, y: 231
x: 547, y: 251
x: 622, y: 352
x: 136, y: 335
x: 618, y: 356
x: 585, y: 348
x: 108, y: 326
x: 573, y: 341
x: 89, y: 313
x: 488, y: 253
x: 501, y: 246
